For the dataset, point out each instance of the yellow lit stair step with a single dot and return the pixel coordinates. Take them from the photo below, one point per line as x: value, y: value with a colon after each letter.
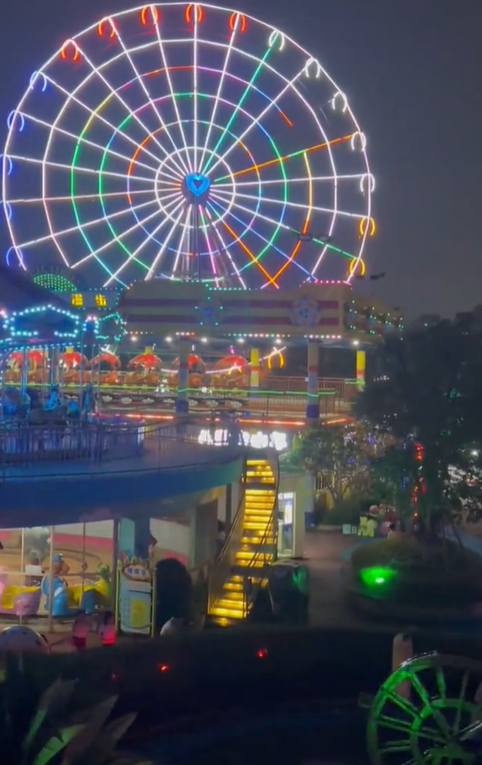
x: 226, y: 612
x: 234, y: 587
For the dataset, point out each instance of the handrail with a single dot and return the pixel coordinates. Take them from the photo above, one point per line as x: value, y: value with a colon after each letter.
x: 270, y: 531
x: 222, y: 566
x: 101, y: 447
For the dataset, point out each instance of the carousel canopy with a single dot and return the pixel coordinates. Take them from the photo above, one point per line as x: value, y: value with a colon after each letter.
x: 17, y: 291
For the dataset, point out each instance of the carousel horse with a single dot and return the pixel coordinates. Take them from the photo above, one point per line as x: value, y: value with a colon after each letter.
x: 16, y: 403
x: 54, y: 411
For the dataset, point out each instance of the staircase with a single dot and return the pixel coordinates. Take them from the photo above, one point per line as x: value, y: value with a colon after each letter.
x: 251, y: 543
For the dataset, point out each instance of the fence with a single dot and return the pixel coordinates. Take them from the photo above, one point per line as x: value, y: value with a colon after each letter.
x: 29, y: 451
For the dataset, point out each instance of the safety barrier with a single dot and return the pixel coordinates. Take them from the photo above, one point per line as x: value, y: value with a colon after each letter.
x: 29, y: 451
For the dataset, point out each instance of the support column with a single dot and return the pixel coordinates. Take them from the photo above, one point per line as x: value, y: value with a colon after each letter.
x: 182, y: 403
x: 360, y: 370
x: 135, y: 537
x: 254, y: 369
x: 54, y: 366
x: 313, y: 398
x: 204, y: 534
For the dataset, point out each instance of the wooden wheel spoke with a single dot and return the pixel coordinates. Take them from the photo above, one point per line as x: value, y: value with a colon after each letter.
x: 431, y: 734
x: 460, y: 703
x: 403, y: 704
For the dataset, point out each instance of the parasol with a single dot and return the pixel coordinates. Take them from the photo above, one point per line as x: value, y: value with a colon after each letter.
x: 146, y: 361
x: 106, y: 358
x: 72, y: 360
x: 194, y: 363
x: 231, y: 365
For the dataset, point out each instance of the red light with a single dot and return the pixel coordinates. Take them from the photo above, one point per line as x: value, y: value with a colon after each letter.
x: 239, y: 20
x: 197, y: 10
x: 154, y: 15
x: 262, y: 653
x: 163, y: 667
x: 73, y: 55
x: 103, y: 30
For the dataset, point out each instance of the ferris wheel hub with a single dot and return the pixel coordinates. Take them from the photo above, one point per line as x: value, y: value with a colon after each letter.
x: 196, y: 187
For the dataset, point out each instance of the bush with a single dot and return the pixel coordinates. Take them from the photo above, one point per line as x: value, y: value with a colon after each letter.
x: 423, y: 572
x: 346, y: 511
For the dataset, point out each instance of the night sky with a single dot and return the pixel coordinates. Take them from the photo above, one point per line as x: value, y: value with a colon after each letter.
x: 412, y: 70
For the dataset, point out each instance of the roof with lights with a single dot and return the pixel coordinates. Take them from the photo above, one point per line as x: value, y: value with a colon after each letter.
x: 18, y: 291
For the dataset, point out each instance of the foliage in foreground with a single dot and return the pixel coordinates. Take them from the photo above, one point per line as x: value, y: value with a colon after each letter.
x: 427, y: 388
x: 56, y: 729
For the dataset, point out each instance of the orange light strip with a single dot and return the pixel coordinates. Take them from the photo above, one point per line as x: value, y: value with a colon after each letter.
x: 288, y: 156
x: 249, y: 253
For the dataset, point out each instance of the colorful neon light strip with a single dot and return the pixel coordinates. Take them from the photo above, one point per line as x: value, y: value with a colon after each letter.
x: 142, y: 146
x: 274, y: 36
x: 287, y: 156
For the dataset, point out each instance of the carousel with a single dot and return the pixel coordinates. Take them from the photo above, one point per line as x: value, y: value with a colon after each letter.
x: 38, y: 353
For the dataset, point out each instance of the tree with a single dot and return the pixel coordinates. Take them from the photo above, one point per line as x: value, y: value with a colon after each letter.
x: 340, y: 453
x: 427, y: 388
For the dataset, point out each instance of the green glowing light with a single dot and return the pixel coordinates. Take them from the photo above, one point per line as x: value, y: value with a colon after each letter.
x: 377, y: 576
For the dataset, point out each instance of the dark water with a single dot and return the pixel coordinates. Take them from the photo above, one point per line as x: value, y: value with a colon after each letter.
x: 304, y: 735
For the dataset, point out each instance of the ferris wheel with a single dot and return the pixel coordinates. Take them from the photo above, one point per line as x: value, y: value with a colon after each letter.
x: 187, y: 142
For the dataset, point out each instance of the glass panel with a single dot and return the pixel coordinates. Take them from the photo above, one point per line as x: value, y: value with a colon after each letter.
x: 286, y: 506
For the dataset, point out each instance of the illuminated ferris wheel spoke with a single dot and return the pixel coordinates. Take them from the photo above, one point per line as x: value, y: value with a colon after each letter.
x: 256, y: 120
x: 140, y: 80
x: 117, y: 95
x: 208, y: 245
x: 185, y: 228
x: 165, y: 243
x: 247, y: 251
x: 308, y: 150
x: 304, y: 179
x: 189, y: 168
x: 238, y: 106
x: 175, y: 189
x: 316, y: 240
x: 219, y: 90
x: 224, y: 247
x: 134, y: 255
x: 119, y: 237
x: 81, y: 139
x: 88, y: 224
x: 300, y: 206
x: 68, y: 198
x: 195, y: 95
x: 96, y: 114
x: 89, y: 170
x: 273, y: 246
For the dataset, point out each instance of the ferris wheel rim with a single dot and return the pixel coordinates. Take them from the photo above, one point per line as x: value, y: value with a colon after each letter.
x: 273, y: 31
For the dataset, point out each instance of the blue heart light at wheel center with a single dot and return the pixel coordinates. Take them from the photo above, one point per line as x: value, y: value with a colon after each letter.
x: 197, y: 184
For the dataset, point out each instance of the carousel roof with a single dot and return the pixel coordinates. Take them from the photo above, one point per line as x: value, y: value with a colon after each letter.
x: 18, y: 292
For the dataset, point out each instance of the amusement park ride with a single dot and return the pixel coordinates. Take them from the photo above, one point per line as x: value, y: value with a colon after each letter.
x: 191, y: 175
x: 209, y: 179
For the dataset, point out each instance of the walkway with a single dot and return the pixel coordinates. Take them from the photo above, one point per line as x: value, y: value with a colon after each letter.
x: 325, y: 552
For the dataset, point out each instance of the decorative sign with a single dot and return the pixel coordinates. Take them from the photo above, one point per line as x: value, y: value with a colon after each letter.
x: 258, y: 440
x: 305, y: 312
x: 135, y: 596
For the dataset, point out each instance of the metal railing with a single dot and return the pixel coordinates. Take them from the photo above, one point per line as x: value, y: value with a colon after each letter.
x: 31, y: 451
x: 224, y: 563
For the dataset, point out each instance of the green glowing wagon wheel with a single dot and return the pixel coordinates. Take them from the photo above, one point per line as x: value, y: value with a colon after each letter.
x: 428, y: 712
